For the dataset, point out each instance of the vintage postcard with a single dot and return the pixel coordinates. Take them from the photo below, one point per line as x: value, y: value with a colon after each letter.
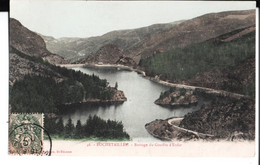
x: 133, y: 78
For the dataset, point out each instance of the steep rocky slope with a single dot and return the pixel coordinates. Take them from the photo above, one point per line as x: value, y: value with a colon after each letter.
x: 108, y: 54
x: 225, y: 119
x: 19, y: 67
x: 31, y: 43
x: 28, y: 53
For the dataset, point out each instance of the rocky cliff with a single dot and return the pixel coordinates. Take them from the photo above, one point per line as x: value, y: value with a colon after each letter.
x: 30, y: 43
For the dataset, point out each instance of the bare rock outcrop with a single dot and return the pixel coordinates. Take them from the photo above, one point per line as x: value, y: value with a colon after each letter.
x: 118, y: 96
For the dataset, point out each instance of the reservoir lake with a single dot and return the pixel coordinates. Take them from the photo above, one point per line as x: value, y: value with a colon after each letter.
x: 134, y: 113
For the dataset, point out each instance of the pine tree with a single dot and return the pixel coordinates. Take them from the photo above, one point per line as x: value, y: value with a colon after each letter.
x: 59, y: 127
x: 49, y: 124
x: 116, y: 85
x: 79, y: 130
x: 69, y: 129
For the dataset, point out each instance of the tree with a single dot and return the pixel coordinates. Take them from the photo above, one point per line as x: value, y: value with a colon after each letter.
x: 49, y: 124
x: 69, y: 129
x: 79, y: 130
x: 116, y: 85
x: 59, y: 126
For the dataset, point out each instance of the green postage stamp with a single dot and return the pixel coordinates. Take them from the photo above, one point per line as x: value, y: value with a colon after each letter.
x: 26, y: 134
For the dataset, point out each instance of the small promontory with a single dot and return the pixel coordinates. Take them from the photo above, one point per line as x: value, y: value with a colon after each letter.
x: 177, y: 97
x: 118, y: 96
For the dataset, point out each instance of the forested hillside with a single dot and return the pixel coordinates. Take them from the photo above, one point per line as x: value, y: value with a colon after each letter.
x: 183, y: 65
x: 43, y: 92
x: 37, y: 85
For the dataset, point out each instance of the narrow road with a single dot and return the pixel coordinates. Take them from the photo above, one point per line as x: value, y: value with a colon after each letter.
x: 176, y: 121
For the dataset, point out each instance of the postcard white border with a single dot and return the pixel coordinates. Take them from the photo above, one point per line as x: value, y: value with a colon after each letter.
x: 105, y: 160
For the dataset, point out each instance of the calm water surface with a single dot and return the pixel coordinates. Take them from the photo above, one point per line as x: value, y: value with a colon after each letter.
x: 139, y: 108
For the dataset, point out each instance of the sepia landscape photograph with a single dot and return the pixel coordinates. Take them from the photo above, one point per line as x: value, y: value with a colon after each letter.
x: 132, y: 77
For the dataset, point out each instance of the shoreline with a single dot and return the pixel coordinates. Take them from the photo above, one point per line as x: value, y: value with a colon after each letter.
x: 69, y: 65
x: 202, y: 90
x: 115, y: 66
x: 118, y: 98
x: 97, y: 101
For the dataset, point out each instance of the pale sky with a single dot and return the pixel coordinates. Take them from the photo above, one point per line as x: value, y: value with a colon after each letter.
x: 94, y: 18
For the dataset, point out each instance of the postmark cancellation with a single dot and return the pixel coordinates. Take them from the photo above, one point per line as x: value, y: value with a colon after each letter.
x: 26, y: 134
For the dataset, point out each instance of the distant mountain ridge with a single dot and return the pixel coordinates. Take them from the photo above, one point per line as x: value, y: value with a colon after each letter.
x: 196, y: 30
x: 75, y: 49
x: 144, y: 42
